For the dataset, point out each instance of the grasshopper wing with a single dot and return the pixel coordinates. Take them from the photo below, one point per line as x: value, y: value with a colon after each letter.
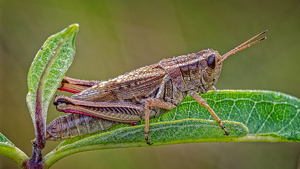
x: 134, y: 85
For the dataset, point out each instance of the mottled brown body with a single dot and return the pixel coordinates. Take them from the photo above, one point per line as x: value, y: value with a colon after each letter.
x: 144, y: 93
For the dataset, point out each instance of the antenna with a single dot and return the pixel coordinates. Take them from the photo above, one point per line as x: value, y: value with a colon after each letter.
x: 242, y: 46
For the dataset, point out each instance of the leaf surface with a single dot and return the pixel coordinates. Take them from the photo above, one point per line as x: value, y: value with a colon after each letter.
x: 265, y: 113
x: 270, y: 117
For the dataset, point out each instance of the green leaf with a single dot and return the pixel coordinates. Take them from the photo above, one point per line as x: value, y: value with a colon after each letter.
x: 162, y: 133
x: 269, y: 116
x: 7, y: 148
x: 48, y: 68
x: 265, y: 113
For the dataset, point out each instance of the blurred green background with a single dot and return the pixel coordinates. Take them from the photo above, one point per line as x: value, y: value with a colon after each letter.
x: 118, y: 36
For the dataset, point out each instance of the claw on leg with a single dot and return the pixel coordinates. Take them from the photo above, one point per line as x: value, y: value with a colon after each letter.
x: 147, y: 139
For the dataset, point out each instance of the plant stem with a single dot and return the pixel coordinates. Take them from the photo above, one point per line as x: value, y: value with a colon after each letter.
x: 36, y: 161
x: 40, y: 126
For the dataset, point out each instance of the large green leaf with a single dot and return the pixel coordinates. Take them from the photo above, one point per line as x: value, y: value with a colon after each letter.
x: 7, y: 148
x: 263, y: 112
x: 162, y: 133
x: 269, y: 116
x: 48, y: 69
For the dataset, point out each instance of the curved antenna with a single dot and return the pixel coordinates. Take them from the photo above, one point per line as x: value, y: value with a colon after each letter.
x: 242, y: 46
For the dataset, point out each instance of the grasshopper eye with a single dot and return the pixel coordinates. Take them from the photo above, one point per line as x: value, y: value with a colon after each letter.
x: 211, y: 61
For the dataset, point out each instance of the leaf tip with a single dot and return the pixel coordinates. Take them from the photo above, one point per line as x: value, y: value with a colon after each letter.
x: 73, y: 28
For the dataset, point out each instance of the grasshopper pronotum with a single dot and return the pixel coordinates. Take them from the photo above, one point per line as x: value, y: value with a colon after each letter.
x: 144, y: 93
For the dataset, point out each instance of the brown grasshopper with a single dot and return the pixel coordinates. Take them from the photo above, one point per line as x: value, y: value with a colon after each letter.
x: 144, y: 93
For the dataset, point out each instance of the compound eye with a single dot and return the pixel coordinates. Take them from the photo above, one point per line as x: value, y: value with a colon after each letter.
x: 211, y: 61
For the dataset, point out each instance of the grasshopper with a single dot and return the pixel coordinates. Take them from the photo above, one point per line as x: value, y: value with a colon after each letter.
x: 144, y: 93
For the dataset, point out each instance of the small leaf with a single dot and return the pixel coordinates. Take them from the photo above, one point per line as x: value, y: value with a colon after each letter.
x: 46, y: 72
x: 7, y: 148
x: 270, y: 117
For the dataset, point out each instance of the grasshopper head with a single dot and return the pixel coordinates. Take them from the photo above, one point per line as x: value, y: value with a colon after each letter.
x: 209, y: 68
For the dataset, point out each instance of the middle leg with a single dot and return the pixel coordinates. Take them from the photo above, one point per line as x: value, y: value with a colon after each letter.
x: 153, y: 102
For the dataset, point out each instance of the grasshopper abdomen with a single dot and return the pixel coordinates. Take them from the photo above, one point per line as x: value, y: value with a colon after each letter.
x: 73, y: 125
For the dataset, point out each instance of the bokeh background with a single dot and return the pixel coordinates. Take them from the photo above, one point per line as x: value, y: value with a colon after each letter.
x: 117, y: 36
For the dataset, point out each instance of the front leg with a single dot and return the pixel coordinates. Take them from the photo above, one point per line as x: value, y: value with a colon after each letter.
x: 203, y: 102
x: 153, y: 102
